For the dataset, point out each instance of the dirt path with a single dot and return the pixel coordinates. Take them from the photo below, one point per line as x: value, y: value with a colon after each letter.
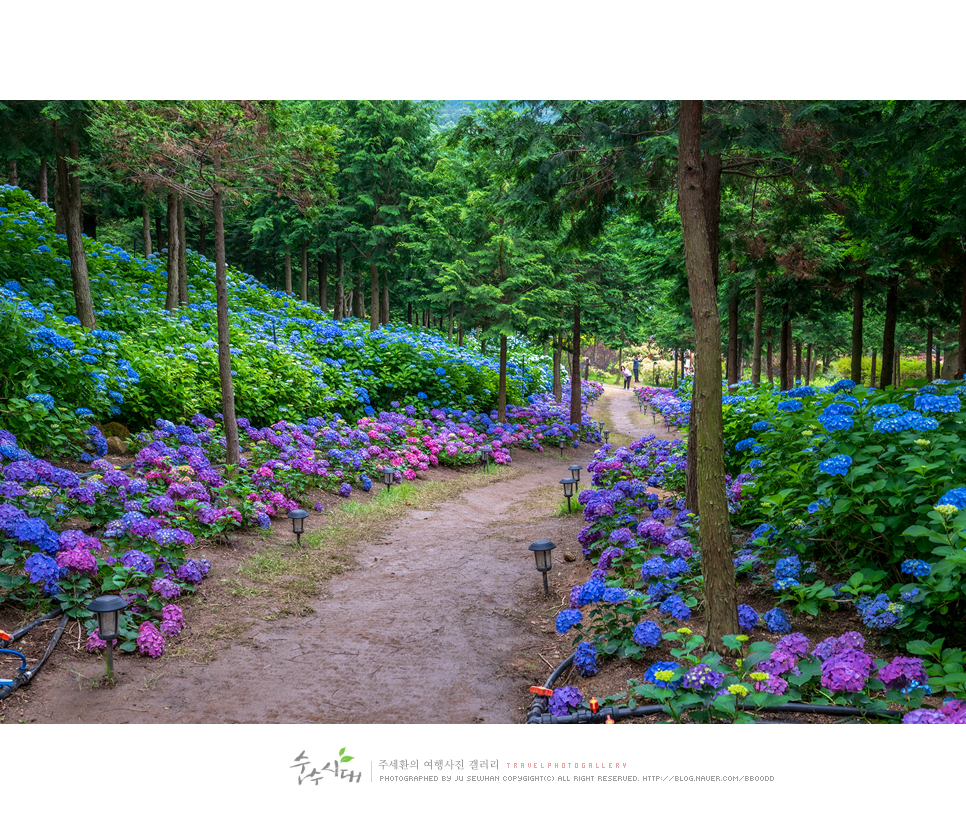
x: 443, y: 620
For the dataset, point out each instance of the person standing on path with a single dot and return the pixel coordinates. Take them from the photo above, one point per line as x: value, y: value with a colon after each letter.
x: 637, y: 367
x: 627, y: 376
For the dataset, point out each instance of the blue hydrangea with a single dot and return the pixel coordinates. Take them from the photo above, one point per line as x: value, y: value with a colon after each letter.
x: 761, y: 426
x: 777, y: 621
x: 647, y: 634
x: 879, y: 613
x: 916, y: 567
x: 663, y: 665
x: 675, y: 607
x: 614, y: 595
x: 747, y: 618
x: 956, y: 497
x: 745, y: 444
x: 567, y: 619
x: 789, y: 406
x: 937, y: 403
x: 585, y: 659
x: 784, y: 584
x: 837, y: 423
x: 654, y: 568
x: 789, y: 566
x: 837, y: 465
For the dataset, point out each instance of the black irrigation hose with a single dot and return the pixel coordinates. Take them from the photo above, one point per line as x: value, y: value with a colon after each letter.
x: 24, y: 678
x: 538, y: 709
x: 52, y: 615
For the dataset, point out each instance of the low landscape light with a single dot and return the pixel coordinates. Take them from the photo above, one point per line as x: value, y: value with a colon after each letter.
x: 541, y: 552
x: 486, y: 453
x: 575, y: 474
x: 568, y: 486
x: 387, y: 476
x: 606, y: 436
x: 561, y: 442
x: 108, y: 610
x: 298, y: 518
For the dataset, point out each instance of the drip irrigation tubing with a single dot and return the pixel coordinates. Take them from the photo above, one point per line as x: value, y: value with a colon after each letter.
x: 538, y: 712
x: 24, y: 678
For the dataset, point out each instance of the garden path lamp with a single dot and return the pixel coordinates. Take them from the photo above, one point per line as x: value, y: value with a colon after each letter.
x: 606, y: 436
x: 387, y: 476
x: 108, y: 610
x: 575, y: 474
x: 485, y: 454
x: 568, y: 485
x: 541, y: 552
x: 562, y: 441
x: 298, y: 518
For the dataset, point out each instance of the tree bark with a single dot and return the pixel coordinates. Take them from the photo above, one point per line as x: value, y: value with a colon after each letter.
x: 756, y: 342
x: 230, y: 423
x: 43, y: 181
x: 929, y: 353
x: 324, y: 283
x: 961, y: 363
x: 182, y: 256
x: 889, y: 333
x: 872, y: 373
x: 721, y: 604
x: 798, y: 362
x: 769, y: 357
x: 339, y: 305
x: 733, y: 340
x: 69, y: 193
x: 575, y: 371
x: 304, y: 292
x: 384, y: 307
x: 146, y: 228
x: 358, y: 299
x: 288, y: 270
x: 808, y: 365
x: 557, y: 385
x: 13, y: 180
x: 858, y: 291
x: 938, y: 360
x: 171, y: 294
x: 501, y: 391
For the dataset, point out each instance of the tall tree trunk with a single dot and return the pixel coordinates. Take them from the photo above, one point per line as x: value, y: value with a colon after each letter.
x: 182, y: 255
x: 808, y: 365
x: 358, y: 298
x: 384, y: 307
x: 575, y: 411
x: 338, y: 308
x: 770, y: 369
x: 69, y: 193
x: 557, y: 385
x: 501, y: 390
x: 756, y: 342
x: 409, y: 312
x: 872, y: 373
x: 733, y: 340
x: 798, y: 362
x: 13, y: 180
x: 171, y: 294
x: 288, y: 270
x: 929, y: 353
x: 961, y: 363
x: 889, y: 333
x: 43, y: 181
x: 304, y: 292
x: 230, y: 423
x: 938, y: 359
x: 721, y: 603
x: 146, y: 228
x: 324, y: 283
x: 858, y: 291
x: 459, y: 333
x: 784, y: 359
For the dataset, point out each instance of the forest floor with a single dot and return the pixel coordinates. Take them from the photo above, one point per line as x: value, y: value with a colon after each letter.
x: 428, y: 611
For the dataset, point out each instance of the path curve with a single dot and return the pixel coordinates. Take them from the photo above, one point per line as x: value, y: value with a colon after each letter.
x: 429, y: 627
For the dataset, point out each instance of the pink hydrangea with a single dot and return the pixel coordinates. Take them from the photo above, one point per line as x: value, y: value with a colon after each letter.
x: 150, y: 641
x: 77, y: 559
x: 94, y: 644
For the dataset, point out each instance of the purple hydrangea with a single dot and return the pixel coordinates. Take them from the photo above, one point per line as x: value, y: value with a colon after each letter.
x: 924, y: 716
x: 847, y: 671
x: 345, y: 490
x: 701, y: 677
x: 78, y: 560
x: 94, y: 644
x: 795, y: 644
x: 139, y: 561
x: 166, y: 588
x: 190, y: 571
x: 679, y: 548
x: 902, y: 671
x: 563, y: 699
